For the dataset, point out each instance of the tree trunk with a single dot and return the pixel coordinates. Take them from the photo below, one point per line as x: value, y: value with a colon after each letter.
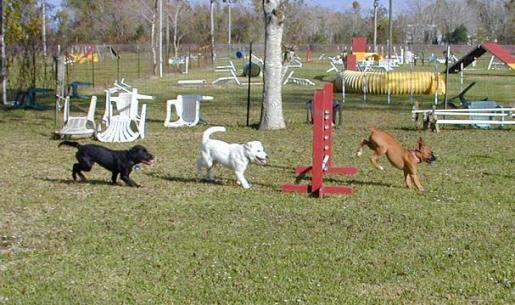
x: 175, y: 25
x: 272, y: 108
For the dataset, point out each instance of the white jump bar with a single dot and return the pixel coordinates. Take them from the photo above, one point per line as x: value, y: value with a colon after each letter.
x: 466, y: 110
x: 475, y: 122
x: 470, y: 113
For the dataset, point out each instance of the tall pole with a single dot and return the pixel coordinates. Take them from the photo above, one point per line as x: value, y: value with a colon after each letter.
x: 43, y: 26
x: 249, y: 71
x: 376, y: 3
x: 211, y: 8
x: 160, y: 38
x: 446, y: 73
x: 229, y: 27
x: 389, y: 32
x: 3, y: 71
x: 389, y: 50
x: 167, y: 38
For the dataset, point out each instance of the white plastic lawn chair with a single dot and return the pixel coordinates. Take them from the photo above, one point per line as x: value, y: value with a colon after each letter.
x: 187, y: 109
x: 81, y: 126
x: 129, y: 123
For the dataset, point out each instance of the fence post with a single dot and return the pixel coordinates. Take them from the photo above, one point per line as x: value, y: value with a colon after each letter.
x: 448, y: 51
x: 93, y: 69
x: 249, y: 71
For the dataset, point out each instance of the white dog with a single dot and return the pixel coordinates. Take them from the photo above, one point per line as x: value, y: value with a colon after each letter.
x: 233, y: 156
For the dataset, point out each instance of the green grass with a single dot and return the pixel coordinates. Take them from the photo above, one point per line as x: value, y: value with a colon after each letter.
x: 178, y: 240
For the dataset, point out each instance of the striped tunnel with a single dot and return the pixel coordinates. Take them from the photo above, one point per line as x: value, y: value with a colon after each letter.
x: 400, y: 83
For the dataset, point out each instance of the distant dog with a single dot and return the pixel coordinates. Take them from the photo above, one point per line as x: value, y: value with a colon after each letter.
x: 382, y: 143
x: 119, y: 162
x: 234, y: 156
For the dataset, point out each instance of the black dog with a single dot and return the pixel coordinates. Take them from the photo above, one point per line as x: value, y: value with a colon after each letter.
x: 116, y: 161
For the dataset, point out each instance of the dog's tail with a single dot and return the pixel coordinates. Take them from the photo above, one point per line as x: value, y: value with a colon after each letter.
x: 209, y: 131
x: 69, y: 143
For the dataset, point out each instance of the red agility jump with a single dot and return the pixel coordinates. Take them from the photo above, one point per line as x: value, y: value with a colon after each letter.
x: 322, y: 150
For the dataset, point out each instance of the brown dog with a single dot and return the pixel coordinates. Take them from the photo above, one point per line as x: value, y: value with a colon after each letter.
x: 382, y: 142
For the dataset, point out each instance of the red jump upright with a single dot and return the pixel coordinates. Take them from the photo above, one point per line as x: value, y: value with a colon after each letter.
x: 322, y: 150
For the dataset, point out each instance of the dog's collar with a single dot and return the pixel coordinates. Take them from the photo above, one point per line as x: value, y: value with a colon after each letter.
x: 414, y: 154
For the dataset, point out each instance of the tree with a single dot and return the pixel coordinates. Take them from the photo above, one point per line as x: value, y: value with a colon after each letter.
x: 459, y: 35
x: 3, y: 59
x: 272, y: 108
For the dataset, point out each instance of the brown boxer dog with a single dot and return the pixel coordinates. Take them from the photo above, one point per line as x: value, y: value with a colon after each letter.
x: 381, y: 142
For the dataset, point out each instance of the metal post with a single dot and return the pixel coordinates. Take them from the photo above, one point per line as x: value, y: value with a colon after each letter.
x: 93, y: 69
x: 118, y: 68
x: 211, y: 8
x: 376, y: 4
x: 3, y: 71
x: 139, y: 67
x: 446, y: 74
x: 389, y: 32
x: 160, y: 38
x: 33, y: 63
x: 229, y: 29
x: 343, y: 89
x: 436, y: 80
x: 248, y: 87
x: 461, y: 76
x: 43, y: 26
x: 167, y: 36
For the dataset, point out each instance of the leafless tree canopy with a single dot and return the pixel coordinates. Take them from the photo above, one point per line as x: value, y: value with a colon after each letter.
x: 419, y: 21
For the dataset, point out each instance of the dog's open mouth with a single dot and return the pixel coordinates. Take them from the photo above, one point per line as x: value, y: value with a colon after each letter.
x: 261, y: 161
x: 147, y: 162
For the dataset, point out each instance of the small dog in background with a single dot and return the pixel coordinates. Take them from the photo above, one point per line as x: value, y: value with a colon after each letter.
x: 118, y: 162
x: 382, y: 143
x: 234, y: 156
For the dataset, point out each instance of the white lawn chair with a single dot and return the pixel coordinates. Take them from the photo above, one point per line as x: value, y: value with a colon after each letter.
x: 80, y: 126
x: 128, y: 124
x: 187, y: 109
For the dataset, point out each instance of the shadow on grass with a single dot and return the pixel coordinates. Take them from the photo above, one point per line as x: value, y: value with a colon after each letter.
x: 70, y: 181
x: 183, y: 179
x: 217, y: 181
x: 289, y: 168
x: 306, y: 177
x: 499, y: 175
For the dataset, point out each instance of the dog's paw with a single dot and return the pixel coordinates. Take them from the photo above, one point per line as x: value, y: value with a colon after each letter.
x: 381, y: 168
x: 359, y: 153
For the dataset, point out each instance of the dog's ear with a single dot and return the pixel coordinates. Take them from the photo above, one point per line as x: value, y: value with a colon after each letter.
x: 420, y: 143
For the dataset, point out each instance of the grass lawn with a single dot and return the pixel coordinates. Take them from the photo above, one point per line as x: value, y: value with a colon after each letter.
x: 178, y: 240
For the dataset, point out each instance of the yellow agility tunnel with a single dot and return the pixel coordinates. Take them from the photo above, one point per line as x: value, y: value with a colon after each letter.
x: 400, y: 83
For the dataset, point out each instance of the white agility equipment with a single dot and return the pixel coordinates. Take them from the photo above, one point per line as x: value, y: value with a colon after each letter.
x: 334, y: 61
x: 124, y: 121
x: 226, y: 79
x: 192, y: 82
x: 187, y: 109
x: 288, y: 78
x: 81, y: 126
x: 232, y: 77
x: 476, y: 117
